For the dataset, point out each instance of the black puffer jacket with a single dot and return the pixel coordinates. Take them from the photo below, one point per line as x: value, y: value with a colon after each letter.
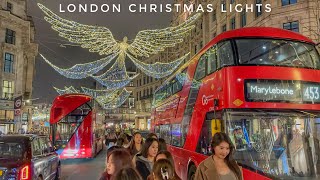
x: 144, y: 166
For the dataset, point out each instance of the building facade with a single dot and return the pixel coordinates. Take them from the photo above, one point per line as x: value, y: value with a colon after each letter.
x: 18, y: 51
x: 302, y: 16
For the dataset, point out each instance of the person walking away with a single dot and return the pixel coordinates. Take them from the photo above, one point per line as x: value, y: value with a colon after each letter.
x: 220, y: 165
x: 166, y: 155
x: 152, y: 135
x: 162, y: 144
x: 127, y: 173
x: 163, y: 170
x: 144, y: 160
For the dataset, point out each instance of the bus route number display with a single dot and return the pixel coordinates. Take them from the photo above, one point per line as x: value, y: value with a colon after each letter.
x: 282, y: 91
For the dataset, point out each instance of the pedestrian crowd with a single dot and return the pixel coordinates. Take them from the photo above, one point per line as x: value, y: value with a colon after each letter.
x: 132, y: 158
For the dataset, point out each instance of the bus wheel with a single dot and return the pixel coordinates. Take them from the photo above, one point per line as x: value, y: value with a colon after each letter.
x: 192, y: 172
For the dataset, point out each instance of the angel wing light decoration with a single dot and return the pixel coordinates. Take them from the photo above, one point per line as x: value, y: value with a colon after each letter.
x: 107, y: 99
x: 100, y: 39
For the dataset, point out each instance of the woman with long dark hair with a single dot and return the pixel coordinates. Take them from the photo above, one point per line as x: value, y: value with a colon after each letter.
x: 136, y: 143
x: 221, y: 164
x: 127, y: 173
x: 145, y: 159
x: 116, y: 159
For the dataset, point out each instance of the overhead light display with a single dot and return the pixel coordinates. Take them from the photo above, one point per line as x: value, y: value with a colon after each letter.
x: 106, y: 99
x: 80, y: 71
x: 100, y: 39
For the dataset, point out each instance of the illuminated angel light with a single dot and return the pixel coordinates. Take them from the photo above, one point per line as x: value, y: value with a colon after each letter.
x: 80, y: 71
x: 107, y: 99
x: 100, y: 39
x: 158, y: 70
x: 117, y: 102
x: 95, y: 92
x: 66, y: 90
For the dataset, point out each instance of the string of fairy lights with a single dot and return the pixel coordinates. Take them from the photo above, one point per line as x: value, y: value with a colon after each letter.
x: 106, y: 99
x: 80, y: 71
x: 100, y: 39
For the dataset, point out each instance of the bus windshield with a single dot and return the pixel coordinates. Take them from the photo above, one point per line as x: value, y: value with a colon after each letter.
x: 68, y: 125
x: 277, y: 52
x: 282, y: 144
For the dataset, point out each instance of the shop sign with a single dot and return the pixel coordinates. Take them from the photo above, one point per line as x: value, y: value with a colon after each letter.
x: 25, y: 117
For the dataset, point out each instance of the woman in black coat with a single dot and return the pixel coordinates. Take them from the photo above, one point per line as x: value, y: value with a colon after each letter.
x: 145, y: 160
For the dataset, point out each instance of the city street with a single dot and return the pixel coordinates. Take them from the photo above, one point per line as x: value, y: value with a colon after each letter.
x: 84, y: 168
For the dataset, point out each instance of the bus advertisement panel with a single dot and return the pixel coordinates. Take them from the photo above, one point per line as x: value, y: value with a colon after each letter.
x: 259, y: 85
x: 74, y: 130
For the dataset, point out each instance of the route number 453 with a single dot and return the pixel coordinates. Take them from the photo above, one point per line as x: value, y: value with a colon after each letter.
x: 312, y: 93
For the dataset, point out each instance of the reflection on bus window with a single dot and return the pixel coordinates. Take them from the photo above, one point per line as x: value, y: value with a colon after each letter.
x: 281, y: 144
x: 165, y: 133
x: 277, y: 52
x: 69, y: 124
x: 176, y: 135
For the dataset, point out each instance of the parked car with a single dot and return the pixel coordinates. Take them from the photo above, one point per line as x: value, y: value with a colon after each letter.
x: 28, y: 157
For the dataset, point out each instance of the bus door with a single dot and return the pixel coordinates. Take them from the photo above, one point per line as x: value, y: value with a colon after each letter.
x: 211, y: 125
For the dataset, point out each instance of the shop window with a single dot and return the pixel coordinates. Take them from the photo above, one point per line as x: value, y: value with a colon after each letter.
x: 243, y: 19
x: 8, y: 63
x: 7, y: 89
x: 10, y: 36
x: 288, y: 2
x: 291, y: 26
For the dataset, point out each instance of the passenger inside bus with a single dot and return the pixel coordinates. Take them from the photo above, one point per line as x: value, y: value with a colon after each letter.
x: 239, y: 140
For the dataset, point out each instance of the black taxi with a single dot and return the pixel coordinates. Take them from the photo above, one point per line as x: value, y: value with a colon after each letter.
x: 28, y: 157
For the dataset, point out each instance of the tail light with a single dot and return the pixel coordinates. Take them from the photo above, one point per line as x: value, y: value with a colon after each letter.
x: 25, y: 173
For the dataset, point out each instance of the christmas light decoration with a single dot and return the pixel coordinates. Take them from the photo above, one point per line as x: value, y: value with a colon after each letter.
x: 106, y: 99
x: 80, y: 71
x: 158, y: 70
x: 66, y: 90
x: 115, y: 84
x: 100, y: 39
x: 117, y: 102
x: 95, y: 93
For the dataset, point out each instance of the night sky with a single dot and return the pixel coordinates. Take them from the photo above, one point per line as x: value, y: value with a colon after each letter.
x: 121, y: 24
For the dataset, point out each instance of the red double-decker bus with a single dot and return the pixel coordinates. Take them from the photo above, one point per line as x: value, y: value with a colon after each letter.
x: 75, y: 131
x: 259, y: 85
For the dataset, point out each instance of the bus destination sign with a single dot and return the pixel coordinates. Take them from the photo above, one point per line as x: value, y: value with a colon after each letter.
x: 282, y: 91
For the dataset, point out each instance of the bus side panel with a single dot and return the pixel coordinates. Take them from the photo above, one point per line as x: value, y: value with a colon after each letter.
x: 252, y: 175
x: 80, y: 144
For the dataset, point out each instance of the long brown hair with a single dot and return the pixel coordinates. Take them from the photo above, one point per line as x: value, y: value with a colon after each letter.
x: 122, y: 159
x: 133, y: 143
x: 146, y: 145
x: 127, y: 173
x: 168, y: 156
x: 232, y: 164
x: 163, y: 169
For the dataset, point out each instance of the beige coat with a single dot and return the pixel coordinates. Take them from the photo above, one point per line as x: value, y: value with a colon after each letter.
x: 207, y: 170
